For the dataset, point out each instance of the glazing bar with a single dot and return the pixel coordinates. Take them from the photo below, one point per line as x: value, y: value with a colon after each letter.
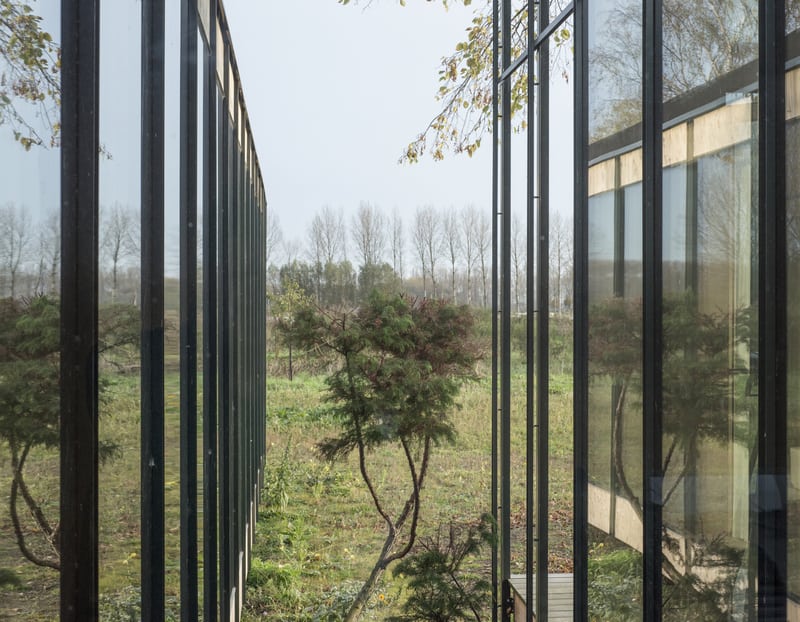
x: 772, y: 316
x: 80, y: 36
x: 152, y: 297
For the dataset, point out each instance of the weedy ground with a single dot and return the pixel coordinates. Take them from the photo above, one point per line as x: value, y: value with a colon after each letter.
x: 318, y: 533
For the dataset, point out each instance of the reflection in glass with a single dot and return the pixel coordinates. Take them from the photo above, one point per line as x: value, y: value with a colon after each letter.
x: 29, y: 309
x: 615, y: 66
x: 710, y: 314
x: 705, y: 40
x: 615, y: 424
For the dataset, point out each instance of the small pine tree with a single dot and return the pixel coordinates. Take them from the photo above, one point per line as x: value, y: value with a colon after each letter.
x: 402, y: 362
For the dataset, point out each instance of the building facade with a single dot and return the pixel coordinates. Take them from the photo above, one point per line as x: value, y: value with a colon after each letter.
x: 686, y: 456
x: 134, y: 215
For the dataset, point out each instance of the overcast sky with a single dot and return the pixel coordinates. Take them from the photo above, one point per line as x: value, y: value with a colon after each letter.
x: 334, y: 95
x: 336, y: 92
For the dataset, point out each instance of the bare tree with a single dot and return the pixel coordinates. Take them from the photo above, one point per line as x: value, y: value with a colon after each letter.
x: 327, y: 238
x: 15, y: 237
x: 469, y: 236
x: 484, y: 245
x: 274, y: 236
x: 369, y: 235
x: 327, y: 234
x: 49, y: 255
x: 291, y: 250
x: 451, y: 237
x: 398, y: 243
x: 53, y: 228
x: 702, y: 41
x: 120, y: 238
x: 560, y: 259
x: 427, y: 243
x: 518, y: 260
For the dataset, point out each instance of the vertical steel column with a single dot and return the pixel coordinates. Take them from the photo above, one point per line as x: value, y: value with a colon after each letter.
x: 530, y: 361
x: 188, y: 312
x: 495, y: 352
x: 652, y: 310
x: 235, y: 421
x: 772, y: 322
x: 543, y: 324
x: 262, y: 321
x: 210, y: 557
x: 152, y: 297
x: 225, y: 522
x: 505, y: 319
x: 80, y: 50
x: 580, y: 594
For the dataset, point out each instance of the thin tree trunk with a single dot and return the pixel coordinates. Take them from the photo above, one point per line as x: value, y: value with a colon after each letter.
x: 357, y: 608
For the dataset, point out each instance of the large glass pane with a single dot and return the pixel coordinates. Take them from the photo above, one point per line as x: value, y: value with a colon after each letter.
x: 119, y: 296
x: 615, y: 421
x: 710, y: 309
x: 518, y: 351
x: 560, y: 158
x: 172, y: 306
x: 29, y: 309
x: 707, y: 40
x: 615, y: 286
x: 615, y: 69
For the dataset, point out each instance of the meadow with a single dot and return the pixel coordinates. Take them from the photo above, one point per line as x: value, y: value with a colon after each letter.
x: 318, y: 533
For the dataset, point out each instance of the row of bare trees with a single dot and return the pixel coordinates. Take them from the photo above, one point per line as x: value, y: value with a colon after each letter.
x: 439, y: 253
x: 30, y: 252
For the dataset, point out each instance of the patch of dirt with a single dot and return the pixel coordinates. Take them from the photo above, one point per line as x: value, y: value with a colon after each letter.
x: 37, y: 596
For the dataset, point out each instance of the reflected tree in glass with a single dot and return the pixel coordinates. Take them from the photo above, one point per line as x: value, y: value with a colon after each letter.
x: 30, y: 86
x: 703, y: 40
x: 696, y: 351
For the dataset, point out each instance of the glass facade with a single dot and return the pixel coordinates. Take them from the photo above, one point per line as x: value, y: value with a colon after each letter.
x: 685, y: 379
x: 30, y: 271
x: 133, y: 307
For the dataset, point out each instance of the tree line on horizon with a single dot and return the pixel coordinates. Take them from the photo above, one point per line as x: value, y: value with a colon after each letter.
x: 440, y: 253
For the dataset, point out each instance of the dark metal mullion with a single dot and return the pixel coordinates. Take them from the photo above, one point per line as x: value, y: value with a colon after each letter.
x: 772, y: 322
x: 262, y: 320
x: 530, y: 326
x: 188, y: 312
x: 80, y: 37
x: 235, y: 249
x: 253, y: 339
x: 247, y: 336
x: 543, y: 329
x: 225, y: 524
x: 505, y: 321
x: 580, y: 593
x: 652, y: 310
x: 249, y: 341
x: 210, y: 553
x: 152, y: 297
x: 518, y: 62
x: 495, y: 209
x: 535, y: 42
x: 261, y: 316
x: 546, y: 27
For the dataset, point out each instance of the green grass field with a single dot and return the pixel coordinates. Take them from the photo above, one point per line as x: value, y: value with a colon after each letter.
x: 318, y: 533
